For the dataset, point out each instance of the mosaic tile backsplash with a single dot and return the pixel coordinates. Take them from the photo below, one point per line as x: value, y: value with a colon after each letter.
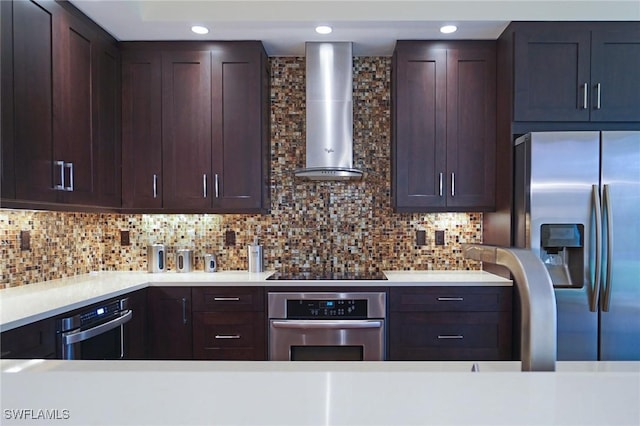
x: 311, y: 225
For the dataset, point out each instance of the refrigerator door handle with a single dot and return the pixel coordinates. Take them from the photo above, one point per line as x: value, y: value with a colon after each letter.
x: 595, y: 292
x: 606, y: 200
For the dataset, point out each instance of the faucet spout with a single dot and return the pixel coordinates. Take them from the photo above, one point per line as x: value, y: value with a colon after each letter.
x: 537, y: 298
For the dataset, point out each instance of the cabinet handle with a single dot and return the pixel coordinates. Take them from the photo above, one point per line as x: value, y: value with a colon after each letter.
x: 227, y: 336
x: 204, y: 185
x: 226, y: 299
x: 155, y: 186
x: 450, y: 336
x: 61, y: 165
x: 598, y: 96
x: 70, y: 167
x: 184, y: 311
x: 453, y: 184
x: 450, y: 299
x: 441, y: 184
x: 217, y: 186
x: 585, y: 96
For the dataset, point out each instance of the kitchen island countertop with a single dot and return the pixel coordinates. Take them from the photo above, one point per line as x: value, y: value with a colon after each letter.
x: 318, y: 393
x: 33, y: 302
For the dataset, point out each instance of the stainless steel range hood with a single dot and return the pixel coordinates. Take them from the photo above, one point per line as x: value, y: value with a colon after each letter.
x: 329, y: 112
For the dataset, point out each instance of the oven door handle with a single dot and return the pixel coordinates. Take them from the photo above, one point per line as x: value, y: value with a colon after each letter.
x: 79, y: 336
x: 330, y: 324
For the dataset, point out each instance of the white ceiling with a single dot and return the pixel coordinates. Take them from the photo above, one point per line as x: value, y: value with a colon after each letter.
x: 373, y: 26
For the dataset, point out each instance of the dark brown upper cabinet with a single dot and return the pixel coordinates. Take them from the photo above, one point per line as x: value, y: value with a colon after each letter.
x: 444, y: 126
x: 198, y: 115
x: 62, y: 110
x: 107, y: 122
x: 576, y: 72
x: 241, y: 149
x: 75, y: 151
x: 142, y: 129
x: 27, y: 60
x: 186, y: 129
x: 7, y: 168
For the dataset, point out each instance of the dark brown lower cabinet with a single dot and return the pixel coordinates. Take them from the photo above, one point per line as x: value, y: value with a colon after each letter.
x: 36, y: 340
x: 450, y: 323
x: 229, y: 323
x: 215, y: 323
x: 229, y: 335
x: 135, y: 331
x: 169, y: 316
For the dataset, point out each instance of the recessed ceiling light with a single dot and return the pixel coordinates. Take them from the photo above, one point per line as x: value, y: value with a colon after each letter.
x: 323, y: 29
x: 198, y: 29
x: 448, y: 29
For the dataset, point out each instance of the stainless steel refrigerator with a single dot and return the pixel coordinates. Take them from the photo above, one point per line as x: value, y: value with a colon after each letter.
x: 577, y: 205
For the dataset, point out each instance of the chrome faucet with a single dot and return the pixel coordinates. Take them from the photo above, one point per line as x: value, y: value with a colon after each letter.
x: 537, y: 299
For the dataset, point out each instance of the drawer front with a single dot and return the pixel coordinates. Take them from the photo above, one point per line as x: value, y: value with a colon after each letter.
x: 36, y: 340
x: 228, y: 299
x: 450, y: 299
x: 229, y: 335
x: 450, y: 336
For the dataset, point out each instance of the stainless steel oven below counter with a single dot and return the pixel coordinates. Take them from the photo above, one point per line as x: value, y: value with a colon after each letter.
x: 95, y: 332
x: 327, y: 326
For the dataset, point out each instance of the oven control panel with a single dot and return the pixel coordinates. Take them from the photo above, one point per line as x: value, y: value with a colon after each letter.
x: 324, y: 309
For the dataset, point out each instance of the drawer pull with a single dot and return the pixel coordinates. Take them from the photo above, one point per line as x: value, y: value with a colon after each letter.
x: 227, y: 336
x: 450, y: 299
x: 226, y: 299
x: 450, y: 336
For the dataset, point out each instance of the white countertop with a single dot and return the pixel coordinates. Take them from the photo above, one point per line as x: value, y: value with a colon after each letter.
x: 33, y: 302
x: 318, y: 393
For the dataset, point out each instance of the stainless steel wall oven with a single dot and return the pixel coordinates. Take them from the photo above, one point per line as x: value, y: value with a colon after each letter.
x: 327, y: 326
x: 95, y: 332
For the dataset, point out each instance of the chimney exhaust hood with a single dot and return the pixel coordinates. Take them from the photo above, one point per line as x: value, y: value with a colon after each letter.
x: 329, y: 105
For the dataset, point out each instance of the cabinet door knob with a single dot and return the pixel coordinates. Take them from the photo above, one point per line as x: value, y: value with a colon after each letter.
x: 217, y: 186
x: 441, y: 175
x: 450, y: 299
x: 226, y: 299
x: 227, y: 336
x: 450, y: 336
x: 598, y: 87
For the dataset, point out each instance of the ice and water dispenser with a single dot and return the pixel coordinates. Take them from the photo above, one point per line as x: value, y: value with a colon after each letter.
x: 562, y: 252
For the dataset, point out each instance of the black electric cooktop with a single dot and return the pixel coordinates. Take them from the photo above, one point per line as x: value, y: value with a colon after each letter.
x: 327, y: 276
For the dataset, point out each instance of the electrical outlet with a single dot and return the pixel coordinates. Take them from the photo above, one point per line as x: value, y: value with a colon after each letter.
x: 421, y: 238
x: 25, y: 240
x: 229, y: 238
x: 124, y: 238
x: 439, y: 238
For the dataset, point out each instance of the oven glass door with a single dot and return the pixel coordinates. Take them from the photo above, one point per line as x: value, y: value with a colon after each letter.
x: 108, y: 345
x: 326, y: 340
